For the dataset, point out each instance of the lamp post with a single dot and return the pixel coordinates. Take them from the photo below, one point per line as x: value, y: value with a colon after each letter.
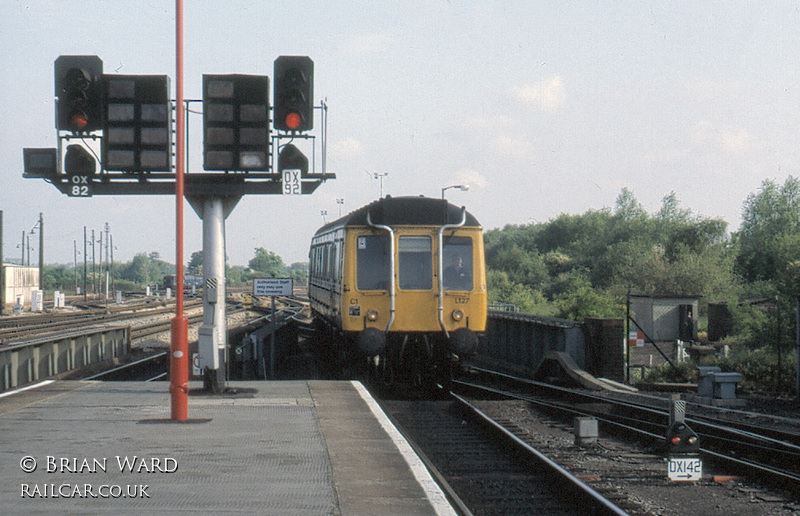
x: 40, y: 226
x: 376, y: 175
x: 463, y: 188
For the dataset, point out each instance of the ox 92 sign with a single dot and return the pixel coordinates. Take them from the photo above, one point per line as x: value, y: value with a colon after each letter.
x: 291, y: 182
x: 80, y: 186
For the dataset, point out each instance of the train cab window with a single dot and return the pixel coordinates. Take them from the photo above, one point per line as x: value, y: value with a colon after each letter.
x: 415, y: 267
x: 372, y: 262
x: 457, y: 260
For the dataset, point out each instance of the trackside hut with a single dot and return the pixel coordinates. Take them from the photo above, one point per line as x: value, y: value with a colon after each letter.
x: 665, y: 318
x: 19, y: 283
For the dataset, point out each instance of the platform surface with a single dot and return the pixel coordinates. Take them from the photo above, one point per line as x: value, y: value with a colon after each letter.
x: 295, y: 447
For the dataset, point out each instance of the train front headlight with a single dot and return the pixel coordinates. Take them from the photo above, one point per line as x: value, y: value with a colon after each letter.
x: 372, y: 315
x: 457, y: 315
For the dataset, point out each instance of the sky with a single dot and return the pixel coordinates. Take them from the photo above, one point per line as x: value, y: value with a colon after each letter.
x: 542, y: 108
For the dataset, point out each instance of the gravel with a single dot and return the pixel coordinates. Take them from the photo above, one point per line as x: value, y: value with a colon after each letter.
x: 633, y: 474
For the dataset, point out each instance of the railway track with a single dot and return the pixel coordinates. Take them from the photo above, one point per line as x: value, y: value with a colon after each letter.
x: 155, y: 366
x: 20, y: 328
x: 768, y: 455
x: 485, y: 468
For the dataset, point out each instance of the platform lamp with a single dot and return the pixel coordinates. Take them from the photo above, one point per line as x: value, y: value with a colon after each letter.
x: 40, y: 226
x: 463, y: 188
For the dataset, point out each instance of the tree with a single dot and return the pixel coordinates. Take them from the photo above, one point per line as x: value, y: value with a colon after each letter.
x: 502, y: 290
x: 235, y: 275
x: 770, y: 226
x: 627, y: 207
x: 195, y: 265
x: 138, y: 270
x: 267, y: 263
x: 584, y: 264
x: 144, y: 269
x: 299, y: 273
x: 59, y: 277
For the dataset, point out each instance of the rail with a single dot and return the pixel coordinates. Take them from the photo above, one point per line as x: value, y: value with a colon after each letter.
x: 771, y: 460
x: 592, y: 501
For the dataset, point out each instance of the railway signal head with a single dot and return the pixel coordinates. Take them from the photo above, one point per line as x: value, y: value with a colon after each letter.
x: 681, y: 440
x: 137, y: 124
x: 79, y: 88
x: 291, y: 158
x: 236, y: 122
x: 78, y: 161
x: 294, y: 92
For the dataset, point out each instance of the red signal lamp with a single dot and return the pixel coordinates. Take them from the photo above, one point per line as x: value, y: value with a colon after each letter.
x: 78, y: 121
x: 293, y: 120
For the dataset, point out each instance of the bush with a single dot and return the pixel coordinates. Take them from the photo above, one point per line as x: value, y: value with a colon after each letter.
x: 759, y: 368
x: 682, y: 373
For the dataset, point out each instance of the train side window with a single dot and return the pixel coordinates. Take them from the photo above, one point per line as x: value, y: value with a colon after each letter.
x: 326, y: 261
x: 415, y: 267
x: 372, y: 262
x: 457, y: 260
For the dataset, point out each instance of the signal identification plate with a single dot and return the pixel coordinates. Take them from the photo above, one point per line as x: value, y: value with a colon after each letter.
x: 685, y: 469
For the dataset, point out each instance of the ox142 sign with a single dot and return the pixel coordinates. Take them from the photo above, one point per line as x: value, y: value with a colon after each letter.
x: 682, y: 469
x: 272, y: 287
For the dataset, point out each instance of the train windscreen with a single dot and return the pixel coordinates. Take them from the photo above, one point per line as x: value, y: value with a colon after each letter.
x: 457, y: 259
x: 415, y: 267
x: 372, y: 262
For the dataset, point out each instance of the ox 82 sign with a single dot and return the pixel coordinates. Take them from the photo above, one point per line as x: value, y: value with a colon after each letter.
x: 79, y: 186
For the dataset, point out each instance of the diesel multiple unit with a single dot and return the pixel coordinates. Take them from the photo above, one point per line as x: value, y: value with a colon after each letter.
x: 401, y: 282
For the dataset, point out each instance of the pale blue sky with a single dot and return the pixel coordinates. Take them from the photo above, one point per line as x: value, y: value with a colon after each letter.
x: 542, y: 107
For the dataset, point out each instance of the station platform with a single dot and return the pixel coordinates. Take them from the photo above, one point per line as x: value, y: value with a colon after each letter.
x: 274, y: 448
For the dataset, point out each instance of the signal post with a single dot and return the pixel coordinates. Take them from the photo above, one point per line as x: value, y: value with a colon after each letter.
x: 129, y: 118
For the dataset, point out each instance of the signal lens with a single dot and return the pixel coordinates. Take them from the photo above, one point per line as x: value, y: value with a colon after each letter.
x: 458, y: 315
x: 293, y: 120
x: 372, y: 315
x: 78, y: 120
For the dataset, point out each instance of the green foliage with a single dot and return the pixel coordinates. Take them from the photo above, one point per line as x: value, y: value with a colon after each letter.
x: 236, y: 275
x: 124, y: 285
x: 759, y: 368
x: 578, y: 266
x: 502, y: 290
x: 585, y: 302
x: 299, y: 273
x: 584, y: 264
x: 145, y: 269
x: 195, y: 265
x: 149, y: 269
x: 59, y: 277
x: 683, y: 372
x: 751, y: 322
x: 267, y: 263
x: 768, y: 237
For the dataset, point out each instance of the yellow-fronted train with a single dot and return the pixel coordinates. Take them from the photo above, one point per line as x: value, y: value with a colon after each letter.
x: 399, y: 286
